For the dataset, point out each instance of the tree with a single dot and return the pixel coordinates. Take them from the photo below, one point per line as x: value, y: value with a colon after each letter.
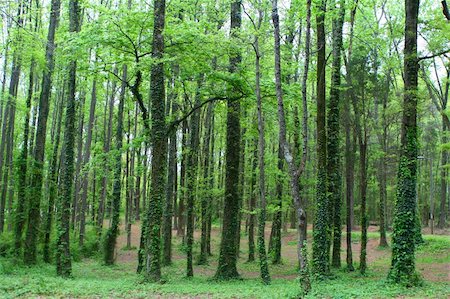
x: 63, y: 257
x: 192, y: 166
x: 228, y: 254
x: 294, y: 170
x: 113, y: 231
x: 403, y: 238
x: 321, y: 234
x: 159, y: 142
x: 333, y: 132
x: 37, y: 161
x: 86, y: 157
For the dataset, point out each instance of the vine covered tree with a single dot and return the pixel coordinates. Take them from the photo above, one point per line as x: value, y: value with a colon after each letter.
x: 404, y: 226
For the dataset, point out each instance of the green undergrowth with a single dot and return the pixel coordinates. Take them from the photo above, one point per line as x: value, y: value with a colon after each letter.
x: 94, y: 280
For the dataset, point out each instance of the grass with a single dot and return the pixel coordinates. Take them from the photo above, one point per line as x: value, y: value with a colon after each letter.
x: 94, y: 280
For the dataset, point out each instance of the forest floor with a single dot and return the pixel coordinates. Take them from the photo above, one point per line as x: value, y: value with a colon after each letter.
x: 91, y: 279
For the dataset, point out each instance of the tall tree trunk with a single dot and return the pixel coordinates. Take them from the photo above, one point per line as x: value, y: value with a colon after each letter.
x: 9, y: 113
x: 443, y: 182
x: 86, y: 157
x: 106, y: 148
x: 252, y: 209
x: 404, y: 228
x: 349, y: 183
x: 63, y: 257
x: 206, y: 198
x: 159, y: 145
x: 383, y: 167
x: 275, y: 236
x: 334, y: 152
x: 37, y: 164
x: 211, y: 185
x: 76, y: 205
x: 350, y: 147
x: 264, y: 268
x: 22, y: 169
x: 192, y: 166
x: 181, y: 215
x: 170, y: 194
x: 52, y: 181
x: 113, y: 231
x: 228, y: 257
x: 294, y: 170
x: 321, y: 244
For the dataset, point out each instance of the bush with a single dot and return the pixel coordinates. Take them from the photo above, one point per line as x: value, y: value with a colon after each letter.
x: 6, y: 244
x: 90, y: 248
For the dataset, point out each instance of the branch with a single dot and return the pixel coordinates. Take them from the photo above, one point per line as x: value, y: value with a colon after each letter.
x: 445, y: 10
x: 172, y: 125
x: 434, y: 55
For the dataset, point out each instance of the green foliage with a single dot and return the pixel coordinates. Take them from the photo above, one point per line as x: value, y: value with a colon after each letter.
x: 95, y: 280
x: 6, y: 244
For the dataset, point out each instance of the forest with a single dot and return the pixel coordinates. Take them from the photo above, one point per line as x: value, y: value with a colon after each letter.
x: 224, y: 149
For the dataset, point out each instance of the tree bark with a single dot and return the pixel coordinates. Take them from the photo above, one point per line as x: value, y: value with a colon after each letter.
x: 207, y: 174
x: 37, y: 164
x: 53, y: 181
x: 192, y: 166
x: 404, y: 227
x: 86, y: 157
x: 294, y: 170
x: 22, y: 168
x: 321, y: 234
x: 334, y: 152
x: 63, y: 257
x: 159, y: 145
x: 113, y: 231
x: 228, y: 257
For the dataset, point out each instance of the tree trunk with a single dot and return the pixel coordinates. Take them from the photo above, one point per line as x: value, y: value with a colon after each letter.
x: 192, y: 166
x: 75, y: 216
x: 87, y: 155
x: 228, y: 257
x: 159, y: 145
x: 113, y: 231
x: 170, y: 194
x: 106, y: 148
x: 275, y: 236
x: 37, y: 164
x: 444, y: 158
x: 9, y: 115
x: 252, y: 209
x: 53, y: 181
x: 321, y: 244
x: 63, y: 257
x: 22, y: 169
x: 334, y: 152
x: 404, y: 228
x: 181, y: 216
x: 294, y: 170
x: 207, y: 197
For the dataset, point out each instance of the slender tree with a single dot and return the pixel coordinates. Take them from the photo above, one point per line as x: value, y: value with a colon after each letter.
x: 86, y: 157
x: 113, y: 231
x: 294, y: 170
x: 37, y: 162
x: 207, y: 174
